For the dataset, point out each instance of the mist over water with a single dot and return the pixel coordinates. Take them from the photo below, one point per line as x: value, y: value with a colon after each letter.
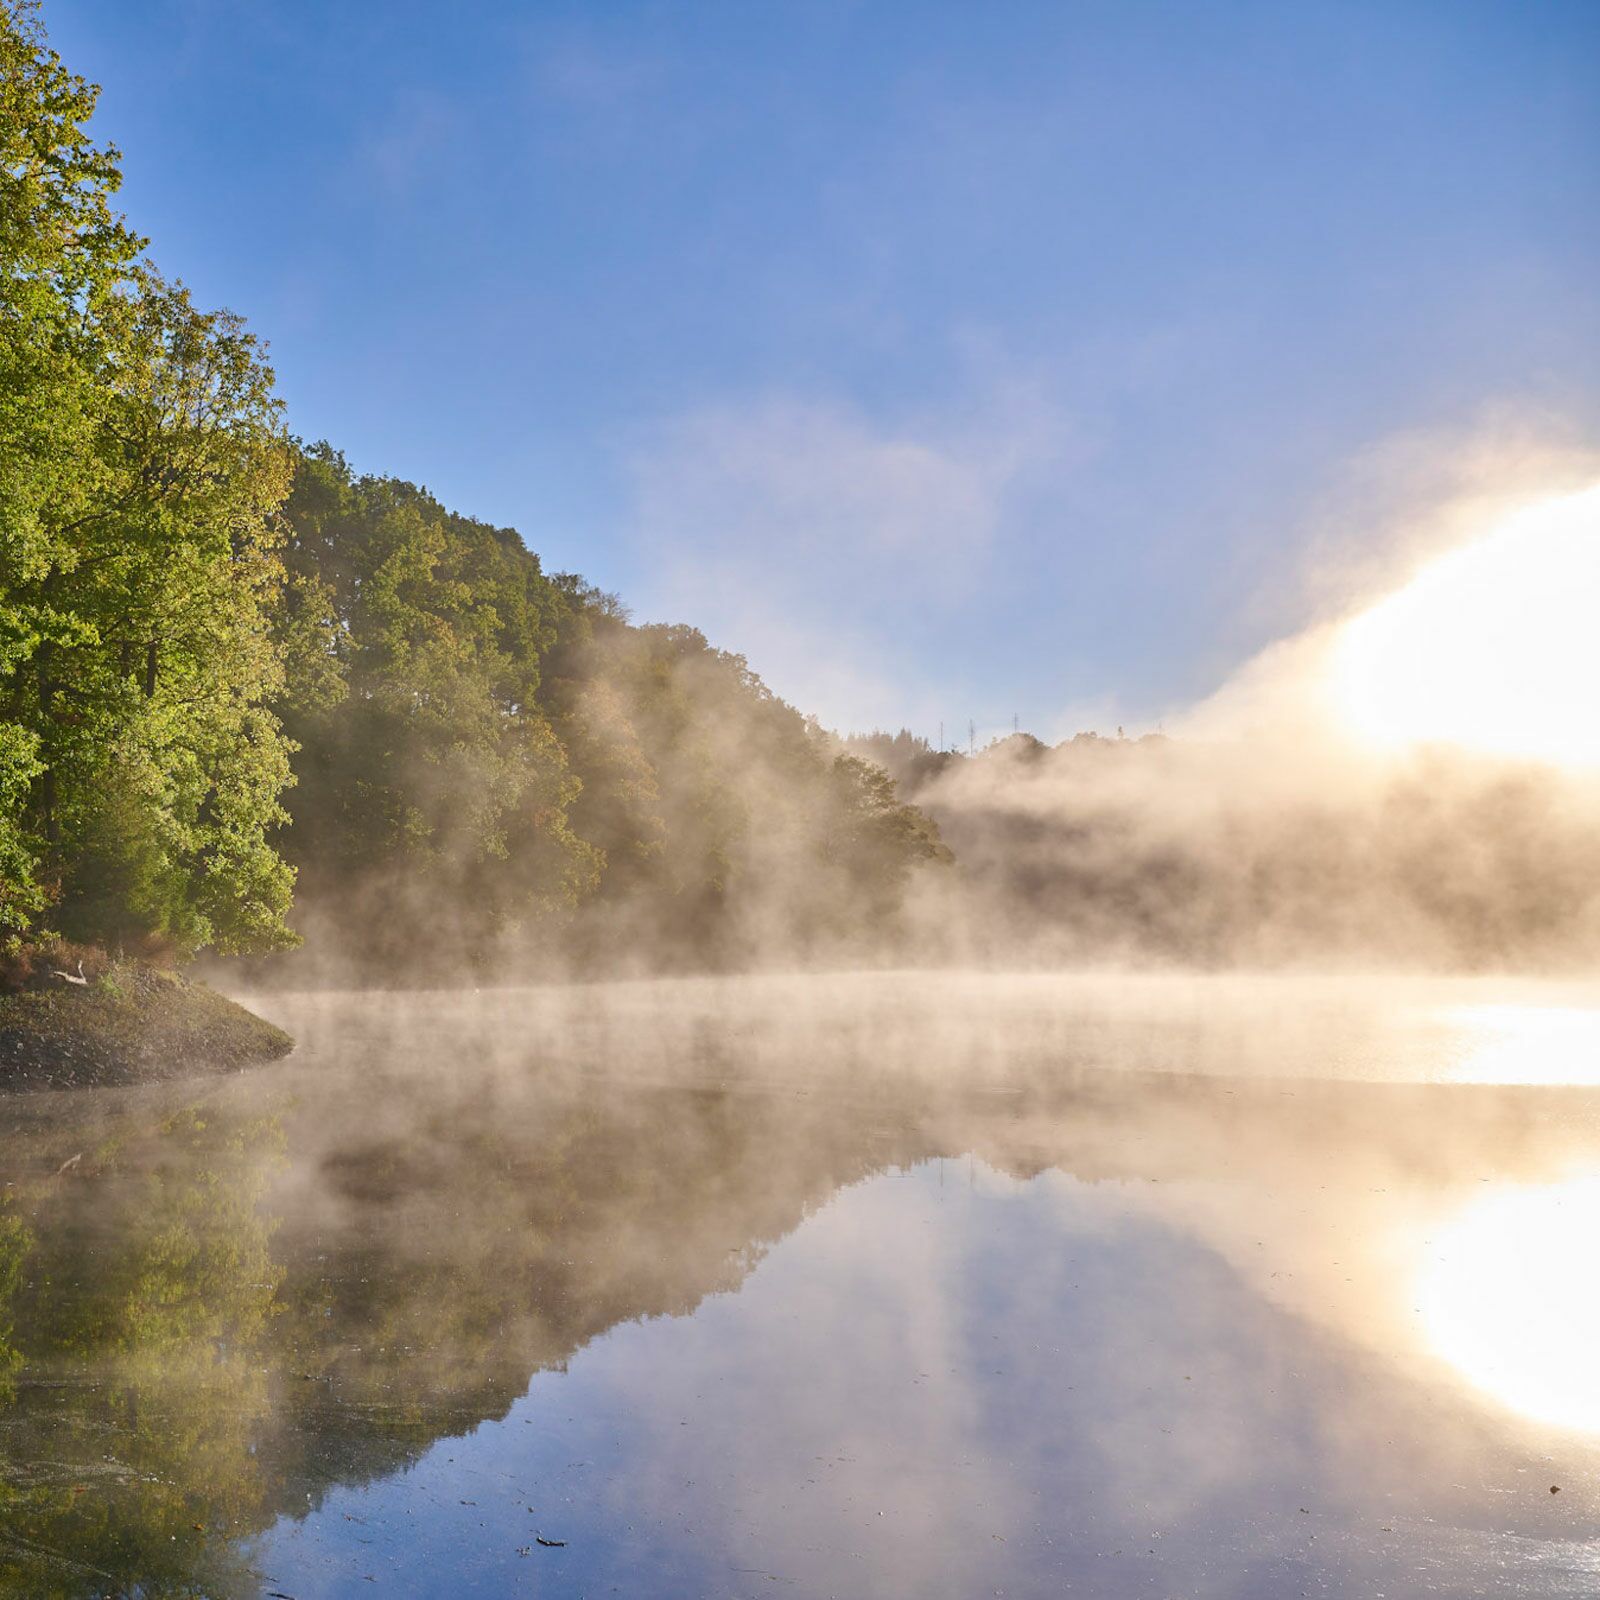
x: 890, y: 1283
x: 1409, y: 784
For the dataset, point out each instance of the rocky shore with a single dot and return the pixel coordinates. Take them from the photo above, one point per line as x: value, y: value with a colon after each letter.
x: 130, y: 1023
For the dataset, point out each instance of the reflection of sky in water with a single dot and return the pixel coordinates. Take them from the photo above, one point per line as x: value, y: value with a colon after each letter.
x: 951, y: 1383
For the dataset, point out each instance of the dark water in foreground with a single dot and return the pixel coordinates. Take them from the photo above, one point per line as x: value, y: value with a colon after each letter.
x: 882, y: 1286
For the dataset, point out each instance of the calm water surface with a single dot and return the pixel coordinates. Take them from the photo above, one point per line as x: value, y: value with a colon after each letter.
x: 890, y: 1285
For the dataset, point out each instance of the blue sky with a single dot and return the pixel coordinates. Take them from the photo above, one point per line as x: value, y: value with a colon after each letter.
x: 949, y: 360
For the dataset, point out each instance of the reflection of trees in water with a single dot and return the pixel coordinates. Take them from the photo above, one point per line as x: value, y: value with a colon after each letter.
x: 450, y: 1257
x: 198, y: 1352
x: 14, y: 1242
x: 207, y: 1335
x: 144, y: 1299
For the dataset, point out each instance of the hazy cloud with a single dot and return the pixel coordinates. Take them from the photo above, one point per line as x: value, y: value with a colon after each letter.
x: 815, y: 538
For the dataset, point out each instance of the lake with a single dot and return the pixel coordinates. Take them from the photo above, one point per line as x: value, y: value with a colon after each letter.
x: 874, y: 1285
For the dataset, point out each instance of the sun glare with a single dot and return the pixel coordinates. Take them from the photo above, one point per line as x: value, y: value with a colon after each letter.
x: 1526, y: 1044
x: 1509, y: 1297
x: 1494, y: 648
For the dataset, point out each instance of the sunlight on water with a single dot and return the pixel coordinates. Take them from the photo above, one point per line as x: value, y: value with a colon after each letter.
x: 1510, y: 1299
x: 1525, y: 1044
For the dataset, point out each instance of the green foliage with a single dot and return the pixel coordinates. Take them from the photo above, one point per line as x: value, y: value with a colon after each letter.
x: 911, y: 761
x: 142, y: 463
x: 22, y: 896
x: 61, y: 250
x: 730, y: 826
x: 433, y: 791
x: 489, y: 752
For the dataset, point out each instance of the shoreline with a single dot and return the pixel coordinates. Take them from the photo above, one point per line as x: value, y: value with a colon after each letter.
x: 134, y: 1024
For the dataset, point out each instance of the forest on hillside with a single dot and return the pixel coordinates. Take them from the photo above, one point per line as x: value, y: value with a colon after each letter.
x: 248, y: 695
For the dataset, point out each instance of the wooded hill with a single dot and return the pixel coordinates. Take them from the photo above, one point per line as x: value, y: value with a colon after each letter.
x: 247, y: 694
